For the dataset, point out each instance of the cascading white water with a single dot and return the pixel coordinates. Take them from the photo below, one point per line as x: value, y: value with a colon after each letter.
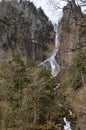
x: 55, y: 68
x: 67, y: 124
x: 70, y: 112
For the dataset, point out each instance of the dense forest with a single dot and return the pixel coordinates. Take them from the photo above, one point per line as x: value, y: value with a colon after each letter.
x: 27, y: 95
x: 30, y: 98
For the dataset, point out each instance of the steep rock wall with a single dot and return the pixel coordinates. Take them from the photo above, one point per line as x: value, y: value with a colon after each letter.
x: 72, y: 37
x: 24, y: 31
x: 72, y: 32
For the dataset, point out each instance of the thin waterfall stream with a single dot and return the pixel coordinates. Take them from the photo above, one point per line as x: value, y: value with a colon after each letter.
x: 55, y: 68
x: 67, y: 125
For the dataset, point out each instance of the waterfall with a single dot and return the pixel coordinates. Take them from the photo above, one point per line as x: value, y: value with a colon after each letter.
x: 55, y: 68
x: 70, y: 112
x: 67, y: 124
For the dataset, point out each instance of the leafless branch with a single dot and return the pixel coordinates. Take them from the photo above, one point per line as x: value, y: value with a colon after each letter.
x: 82, y: 25
x: 1, y: 20
x: 72, y: 49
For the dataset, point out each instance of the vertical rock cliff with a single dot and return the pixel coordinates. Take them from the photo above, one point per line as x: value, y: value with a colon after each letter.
x: 72, y: 32
x: 24, y: 31
x: 72, y: 55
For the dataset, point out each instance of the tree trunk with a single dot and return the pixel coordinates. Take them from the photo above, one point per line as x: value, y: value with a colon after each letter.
x: 83, y: 82
x: 35, y: 114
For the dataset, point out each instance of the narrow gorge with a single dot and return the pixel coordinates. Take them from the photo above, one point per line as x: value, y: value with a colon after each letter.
x: 42, y: 68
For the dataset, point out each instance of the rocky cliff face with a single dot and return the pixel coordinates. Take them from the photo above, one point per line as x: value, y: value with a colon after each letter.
x: 72, y: 32
x: 23, y: 30
x: 72, y: 36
